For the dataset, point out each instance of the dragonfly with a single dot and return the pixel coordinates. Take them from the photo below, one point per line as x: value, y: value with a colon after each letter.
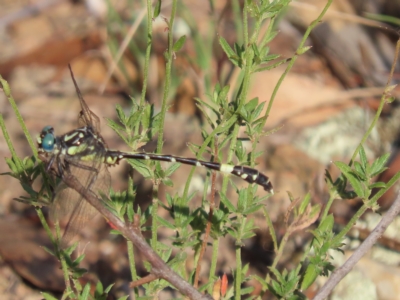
x: 84, y: 153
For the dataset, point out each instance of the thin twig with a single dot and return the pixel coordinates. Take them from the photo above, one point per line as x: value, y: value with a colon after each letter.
x: 143, y: 280
x: 360, y: 252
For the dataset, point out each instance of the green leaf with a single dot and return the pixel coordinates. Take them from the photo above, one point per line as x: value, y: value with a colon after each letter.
x: 120, y: 114
x: 238, y: 50
x: 252, y: 104
x: 327, y: 223
x: 48, y: 250
x: 379, y: 184
x: 179, y: 44
x: 363, y: 158
x: 245, y: 269
x: 157, y: 9
x: 78, y: 272
x: 252, y: 209
x: 227, y: 125
x: 11, y: 165
x: 304, y: 203
x: 222, y: 96
x: 85, y: 292
x: 79, y: 259
x: 260, y: 280
x: 257, y: 112
x: 141, y: 167
x: 242, y: 201
x: 303, y: 50
x: 108, y: 289
x: 270, y: 57
x: 232, y: 232
x: 378, y: 166
x: 178, y: 260
x: 235, y: 59
x: 310, y: 275
x: 209, y: 105
x: 206, y: 115
x: 225, y: 46
x: 147, y: 116
x: 48, y: 296
x: 361, y: 171
x: 354, y: 181
x: 277, y: 288
x: 216, y: 92
x: 134, y: 119
x: 271, y: 66
x: 166, y: 223
x: 166, y: 254
x: 172, y: 168
x: 245, y: 291
x: 271, y: 36
x: 99, y: 288
x: 324, y: 249
x: 70, y: 249
x: 116, y: 232
x: 316, y: 209
x: 247, y: 235
x: 168, y: 182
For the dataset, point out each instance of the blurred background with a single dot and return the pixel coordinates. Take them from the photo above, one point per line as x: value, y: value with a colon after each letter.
x: 322, y: 110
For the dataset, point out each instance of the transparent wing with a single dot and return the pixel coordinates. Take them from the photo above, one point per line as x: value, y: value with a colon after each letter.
x: 86, y: 117
x: 71, y: 207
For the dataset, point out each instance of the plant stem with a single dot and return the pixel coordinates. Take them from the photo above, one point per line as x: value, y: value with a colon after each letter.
x: 132, y: 267
x: 148, y: 51
x: 154, y: 223
x: 167, y: 83
x: 328, y: 205
x: 245, y: 25
x: 16, y: 159
x: 10, y: 98
x: 381, y: 104
x: 292, y: 61
x: 213, y: 266
x: 64, y: 267
x: 46, y: 226
x: 267, y: 33
x: 238, y: 275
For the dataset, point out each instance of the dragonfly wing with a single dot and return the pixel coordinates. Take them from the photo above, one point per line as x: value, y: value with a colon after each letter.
x: 69, y: 205
x: 103, y: 182
x: 86, y: 117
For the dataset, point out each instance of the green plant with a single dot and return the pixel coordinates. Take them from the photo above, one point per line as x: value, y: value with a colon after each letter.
x: 224, y: 115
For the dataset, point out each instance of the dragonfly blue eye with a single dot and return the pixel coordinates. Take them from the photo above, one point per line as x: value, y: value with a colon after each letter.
x: 47, y: 129
x: 48, y: 142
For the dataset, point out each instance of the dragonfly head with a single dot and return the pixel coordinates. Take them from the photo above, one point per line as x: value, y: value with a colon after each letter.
x: 47, y: 140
